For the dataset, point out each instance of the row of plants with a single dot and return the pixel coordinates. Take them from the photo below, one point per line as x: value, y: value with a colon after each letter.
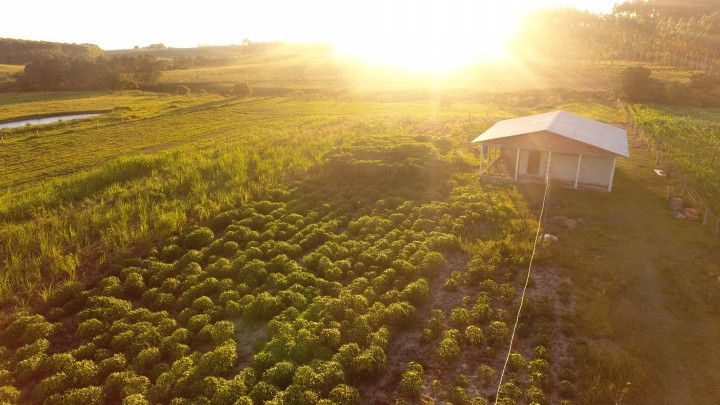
x: 330, y: 269
x: 690, y: 147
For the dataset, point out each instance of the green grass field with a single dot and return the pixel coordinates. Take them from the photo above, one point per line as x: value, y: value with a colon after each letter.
x: 316, y: 247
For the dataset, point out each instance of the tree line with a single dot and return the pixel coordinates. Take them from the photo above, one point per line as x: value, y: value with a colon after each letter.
x: 679, y: 34
x: 20, y: 51
x: 62, y: 72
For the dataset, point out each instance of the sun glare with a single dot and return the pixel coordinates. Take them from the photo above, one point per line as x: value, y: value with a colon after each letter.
x: 427, y: 37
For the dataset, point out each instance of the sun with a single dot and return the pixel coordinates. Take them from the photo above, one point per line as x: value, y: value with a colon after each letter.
x: 429, y: 36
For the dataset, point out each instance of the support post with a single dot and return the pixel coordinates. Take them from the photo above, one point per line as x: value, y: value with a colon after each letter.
x: 517, y: 162
x: 612, y: 175
x: 577, y: 172
x: 482, y: 156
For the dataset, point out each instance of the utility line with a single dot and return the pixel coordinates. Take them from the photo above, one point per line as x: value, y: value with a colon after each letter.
x: 527, y: 278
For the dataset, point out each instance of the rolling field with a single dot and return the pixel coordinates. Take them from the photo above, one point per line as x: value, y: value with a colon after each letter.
x: 287, y: 69
x: 324, y: 250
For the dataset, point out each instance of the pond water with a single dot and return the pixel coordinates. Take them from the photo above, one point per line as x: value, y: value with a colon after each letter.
x: 45, y: 120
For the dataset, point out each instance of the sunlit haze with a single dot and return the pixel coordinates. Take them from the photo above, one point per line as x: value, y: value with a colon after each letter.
x: 423, y: 35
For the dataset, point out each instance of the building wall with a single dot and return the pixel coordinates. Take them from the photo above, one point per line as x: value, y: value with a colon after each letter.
x: 596, y: 170
x: 523, y: 161
x: 563, y: 166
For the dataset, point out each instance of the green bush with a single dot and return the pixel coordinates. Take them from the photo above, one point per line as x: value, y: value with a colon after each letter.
x: 638, y: 86
x: 25, y: 329
x: 197, y: 322
x: 280, y: 375
x: 459, y: 395
x: 217, y: 332
x: 344, y: 394
x: 86, y: 396
x: 536, y: 395
x: 262, y: 392
x: 40, y: 346
x: 400, y: 315
x: 459, y: 317
x: 9, y: 394
x: 417, y: 292
x: 498, y: 333
x: 218, y: 360
x: 486, y: 375
x: 412, y: 381
x: 449, y: 347
x: 89, y: 328
x: 241, y: 89
x: 58, y: 362
x: 54, y: 384
x: 146, y: 359
x: 110, y: 365
x: 475, y: 336
x: 517, y: 361
x: 133, y: 285
x: 121, y: 385
x: 198, y: 238
x: 29, y: 368
x: 509, y: 392
x: 81, y: 373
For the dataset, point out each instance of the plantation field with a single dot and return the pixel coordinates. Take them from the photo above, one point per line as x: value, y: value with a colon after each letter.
x: 333, y: 250
x: 689, y: 143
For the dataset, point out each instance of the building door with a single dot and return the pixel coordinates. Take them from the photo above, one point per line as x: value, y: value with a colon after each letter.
x: 533, y: 162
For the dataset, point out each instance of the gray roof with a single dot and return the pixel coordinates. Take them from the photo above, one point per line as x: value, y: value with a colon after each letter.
x: 575, y: 127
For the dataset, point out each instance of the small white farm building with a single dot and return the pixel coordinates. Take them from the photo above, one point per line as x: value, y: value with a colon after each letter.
x: 582, y: 152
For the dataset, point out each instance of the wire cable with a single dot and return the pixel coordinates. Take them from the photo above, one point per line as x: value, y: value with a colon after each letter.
x: 527, y: 278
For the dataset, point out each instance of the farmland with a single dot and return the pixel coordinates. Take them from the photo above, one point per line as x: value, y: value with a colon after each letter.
x: 192, y: 212
x: 690, y: 145
x: 331, y: 247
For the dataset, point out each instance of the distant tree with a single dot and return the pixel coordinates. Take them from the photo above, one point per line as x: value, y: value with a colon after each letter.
x: 638, y: 86
x: 241, y: 90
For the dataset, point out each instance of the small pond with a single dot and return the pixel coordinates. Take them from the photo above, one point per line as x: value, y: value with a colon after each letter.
x: 45, y: 120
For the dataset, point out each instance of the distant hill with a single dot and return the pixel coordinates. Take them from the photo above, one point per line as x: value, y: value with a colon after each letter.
x: 22, y: 51
x: 217, y: 55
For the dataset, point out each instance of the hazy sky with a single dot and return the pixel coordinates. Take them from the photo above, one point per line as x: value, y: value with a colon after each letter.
x: 122, y: 24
